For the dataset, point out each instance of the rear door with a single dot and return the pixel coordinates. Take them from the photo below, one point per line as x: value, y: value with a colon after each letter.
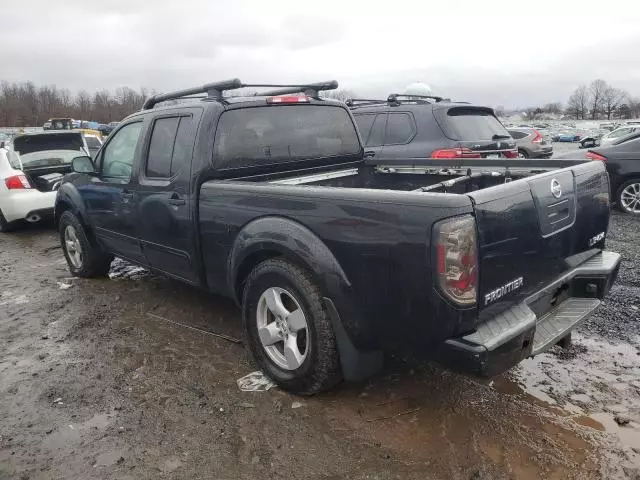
x: 110, y: 197
x: 166, y: 227
x: 476, y: 128
x: 399, y: 132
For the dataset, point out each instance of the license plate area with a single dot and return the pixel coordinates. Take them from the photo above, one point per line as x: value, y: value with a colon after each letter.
x: 550, y: 301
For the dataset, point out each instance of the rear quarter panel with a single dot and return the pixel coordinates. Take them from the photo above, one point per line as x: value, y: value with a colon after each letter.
x: 380, y: 239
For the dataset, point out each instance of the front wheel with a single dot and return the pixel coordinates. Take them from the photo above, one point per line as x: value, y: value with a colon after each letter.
x: 628, y: 197
x: 288, y: 330
x: 83, y: 258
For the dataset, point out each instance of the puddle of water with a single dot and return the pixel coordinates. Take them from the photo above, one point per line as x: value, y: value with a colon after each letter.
x: 72, y: 433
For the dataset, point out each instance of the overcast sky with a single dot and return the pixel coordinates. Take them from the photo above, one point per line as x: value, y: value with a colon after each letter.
x: 496, y: 52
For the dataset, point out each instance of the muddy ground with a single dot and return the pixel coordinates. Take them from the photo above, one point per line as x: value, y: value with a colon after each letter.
x: 97, y: 382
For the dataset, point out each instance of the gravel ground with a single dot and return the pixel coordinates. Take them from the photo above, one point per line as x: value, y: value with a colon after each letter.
x: 98, y: 383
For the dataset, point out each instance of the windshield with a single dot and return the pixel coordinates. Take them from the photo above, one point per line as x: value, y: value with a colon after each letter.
x: 48, y: 158
x: 469, y: 124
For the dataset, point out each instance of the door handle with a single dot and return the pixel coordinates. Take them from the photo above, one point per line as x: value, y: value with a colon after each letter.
x: 126, y: 195
x: 369, y: 154
x: 175, y: 199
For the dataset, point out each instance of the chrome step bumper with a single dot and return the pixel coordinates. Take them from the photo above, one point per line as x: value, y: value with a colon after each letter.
x: 518, y: 332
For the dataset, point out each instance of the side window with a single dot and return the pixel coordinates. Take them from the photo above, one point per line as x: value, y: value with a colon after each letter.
x: 183, y: 147
x: 117, y: 159
x: 163, y: 137
x: 400, y: 129
x: 365, y: 122
x: 376, y: 137
x: 170, y: 147
x: 516, y: 135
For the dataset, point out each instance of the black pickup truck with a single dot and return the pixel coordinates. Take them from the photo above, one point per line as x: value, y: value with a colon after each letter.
x: 332, y: 255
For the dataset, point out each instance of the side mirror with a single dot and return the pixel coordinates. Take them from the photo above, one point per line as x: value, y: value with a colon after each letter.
x: 83, y: 164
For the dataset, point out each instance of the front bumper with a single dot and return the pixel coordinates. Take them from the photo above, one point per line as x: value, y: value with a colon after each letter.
x: 519, y: 332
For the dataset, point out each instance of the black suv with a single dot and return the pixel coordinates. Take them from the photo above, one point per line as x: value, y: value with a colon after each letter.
x: 430, y: 127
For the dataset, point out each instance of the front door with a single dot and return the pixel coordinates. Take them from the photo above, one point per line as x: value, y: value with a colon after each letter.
x: 111, y: 196
x: 166, y: 224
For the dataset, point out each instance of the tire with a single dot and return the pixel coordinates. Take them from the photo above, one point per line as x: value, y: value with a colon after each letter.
x: 84, y: 259
x: 522, y: 153
x: 319, y: 370
x: 625, y: 197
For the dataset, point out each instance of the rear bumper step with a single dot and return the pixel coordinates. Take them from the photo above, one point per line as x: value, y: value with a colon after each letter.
x: 517, y: 333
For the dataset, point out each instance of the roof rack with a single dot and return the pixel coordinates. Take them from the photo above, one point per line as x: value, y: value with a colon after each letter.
x: 396, y: 98
x: 214, y: 91
x: 359, y: 102
x: 310, y: 90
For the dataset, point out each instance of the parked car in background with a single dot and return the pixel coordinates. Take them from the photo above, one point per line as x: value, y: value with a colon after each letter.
x: 429, y: 127
x: 333, y: 256
x: 531, y: 143
x: 622, y: 161
x: 59, y: 124
x: 27, y: 186
x: 93, y: 143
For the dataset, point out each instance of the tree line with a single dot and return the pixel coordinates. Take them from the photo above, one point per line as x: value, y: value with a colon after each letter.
x: 27, y: 105
x: 595, y: 101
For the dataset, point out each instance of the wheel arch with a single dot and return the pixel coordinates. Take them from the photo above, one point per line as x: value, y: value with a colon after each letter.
x: 270, y: 237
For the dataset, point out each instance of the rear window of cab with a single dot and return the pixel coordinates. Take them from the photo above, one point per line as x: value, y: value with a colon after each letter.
x: 249, y: 137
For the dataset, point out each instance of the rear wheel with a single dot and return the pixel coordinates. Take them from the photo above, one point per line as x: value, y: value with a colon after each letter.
x: 628, y: 197
x: 288, y: 330
x: 83, y: 258
x: 522, y: 154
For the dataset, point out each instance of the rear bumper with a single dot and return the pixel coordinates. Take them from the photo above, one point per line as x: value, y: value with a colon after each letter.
x: 518, y: 333
x: 19, y: 204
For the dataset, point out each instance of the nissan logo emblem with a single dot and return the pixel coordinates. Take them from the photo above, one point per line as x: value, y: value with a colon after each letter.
x: 556, y: 189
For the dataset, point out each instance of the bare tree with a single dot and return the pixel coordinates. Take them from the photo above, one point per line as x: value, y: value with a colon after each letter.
x: 342, y: 95
x: 577, y: 105
x: 611, y: 99
x: 555, y: 107
x: 597, y: 89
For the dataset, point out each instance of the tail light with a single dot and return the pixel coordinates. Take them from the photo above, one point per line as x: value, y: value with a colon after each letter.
x: 459, y: 152
x: 537, y: 137
x: 596, y: 156
x: 17, y: 182
x: 289, y: 99
x: 456, y: 262
x: 511, y: 154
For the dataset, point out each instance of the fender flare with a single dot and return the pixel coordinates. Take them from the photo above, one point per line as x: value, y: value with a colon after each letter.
x: 68, y: 195
x: 288, y: 238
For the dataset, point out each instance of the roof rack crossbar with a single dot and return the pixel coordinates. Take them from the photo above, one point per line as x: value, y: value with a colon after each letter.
x: 363, y: 101
x: 311, y: 89
x: 394, y: 97
x: 213, y: 90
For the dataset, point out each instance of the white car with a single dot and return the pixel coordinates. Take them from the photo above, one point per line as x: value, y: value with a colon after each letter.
x: 31, y: 173
x: 19, y: 199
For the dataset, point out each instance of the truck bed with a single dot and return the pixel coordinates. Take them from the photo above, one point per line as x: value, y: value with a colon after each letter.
x: 418, y: 175
x: 363, y: 213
